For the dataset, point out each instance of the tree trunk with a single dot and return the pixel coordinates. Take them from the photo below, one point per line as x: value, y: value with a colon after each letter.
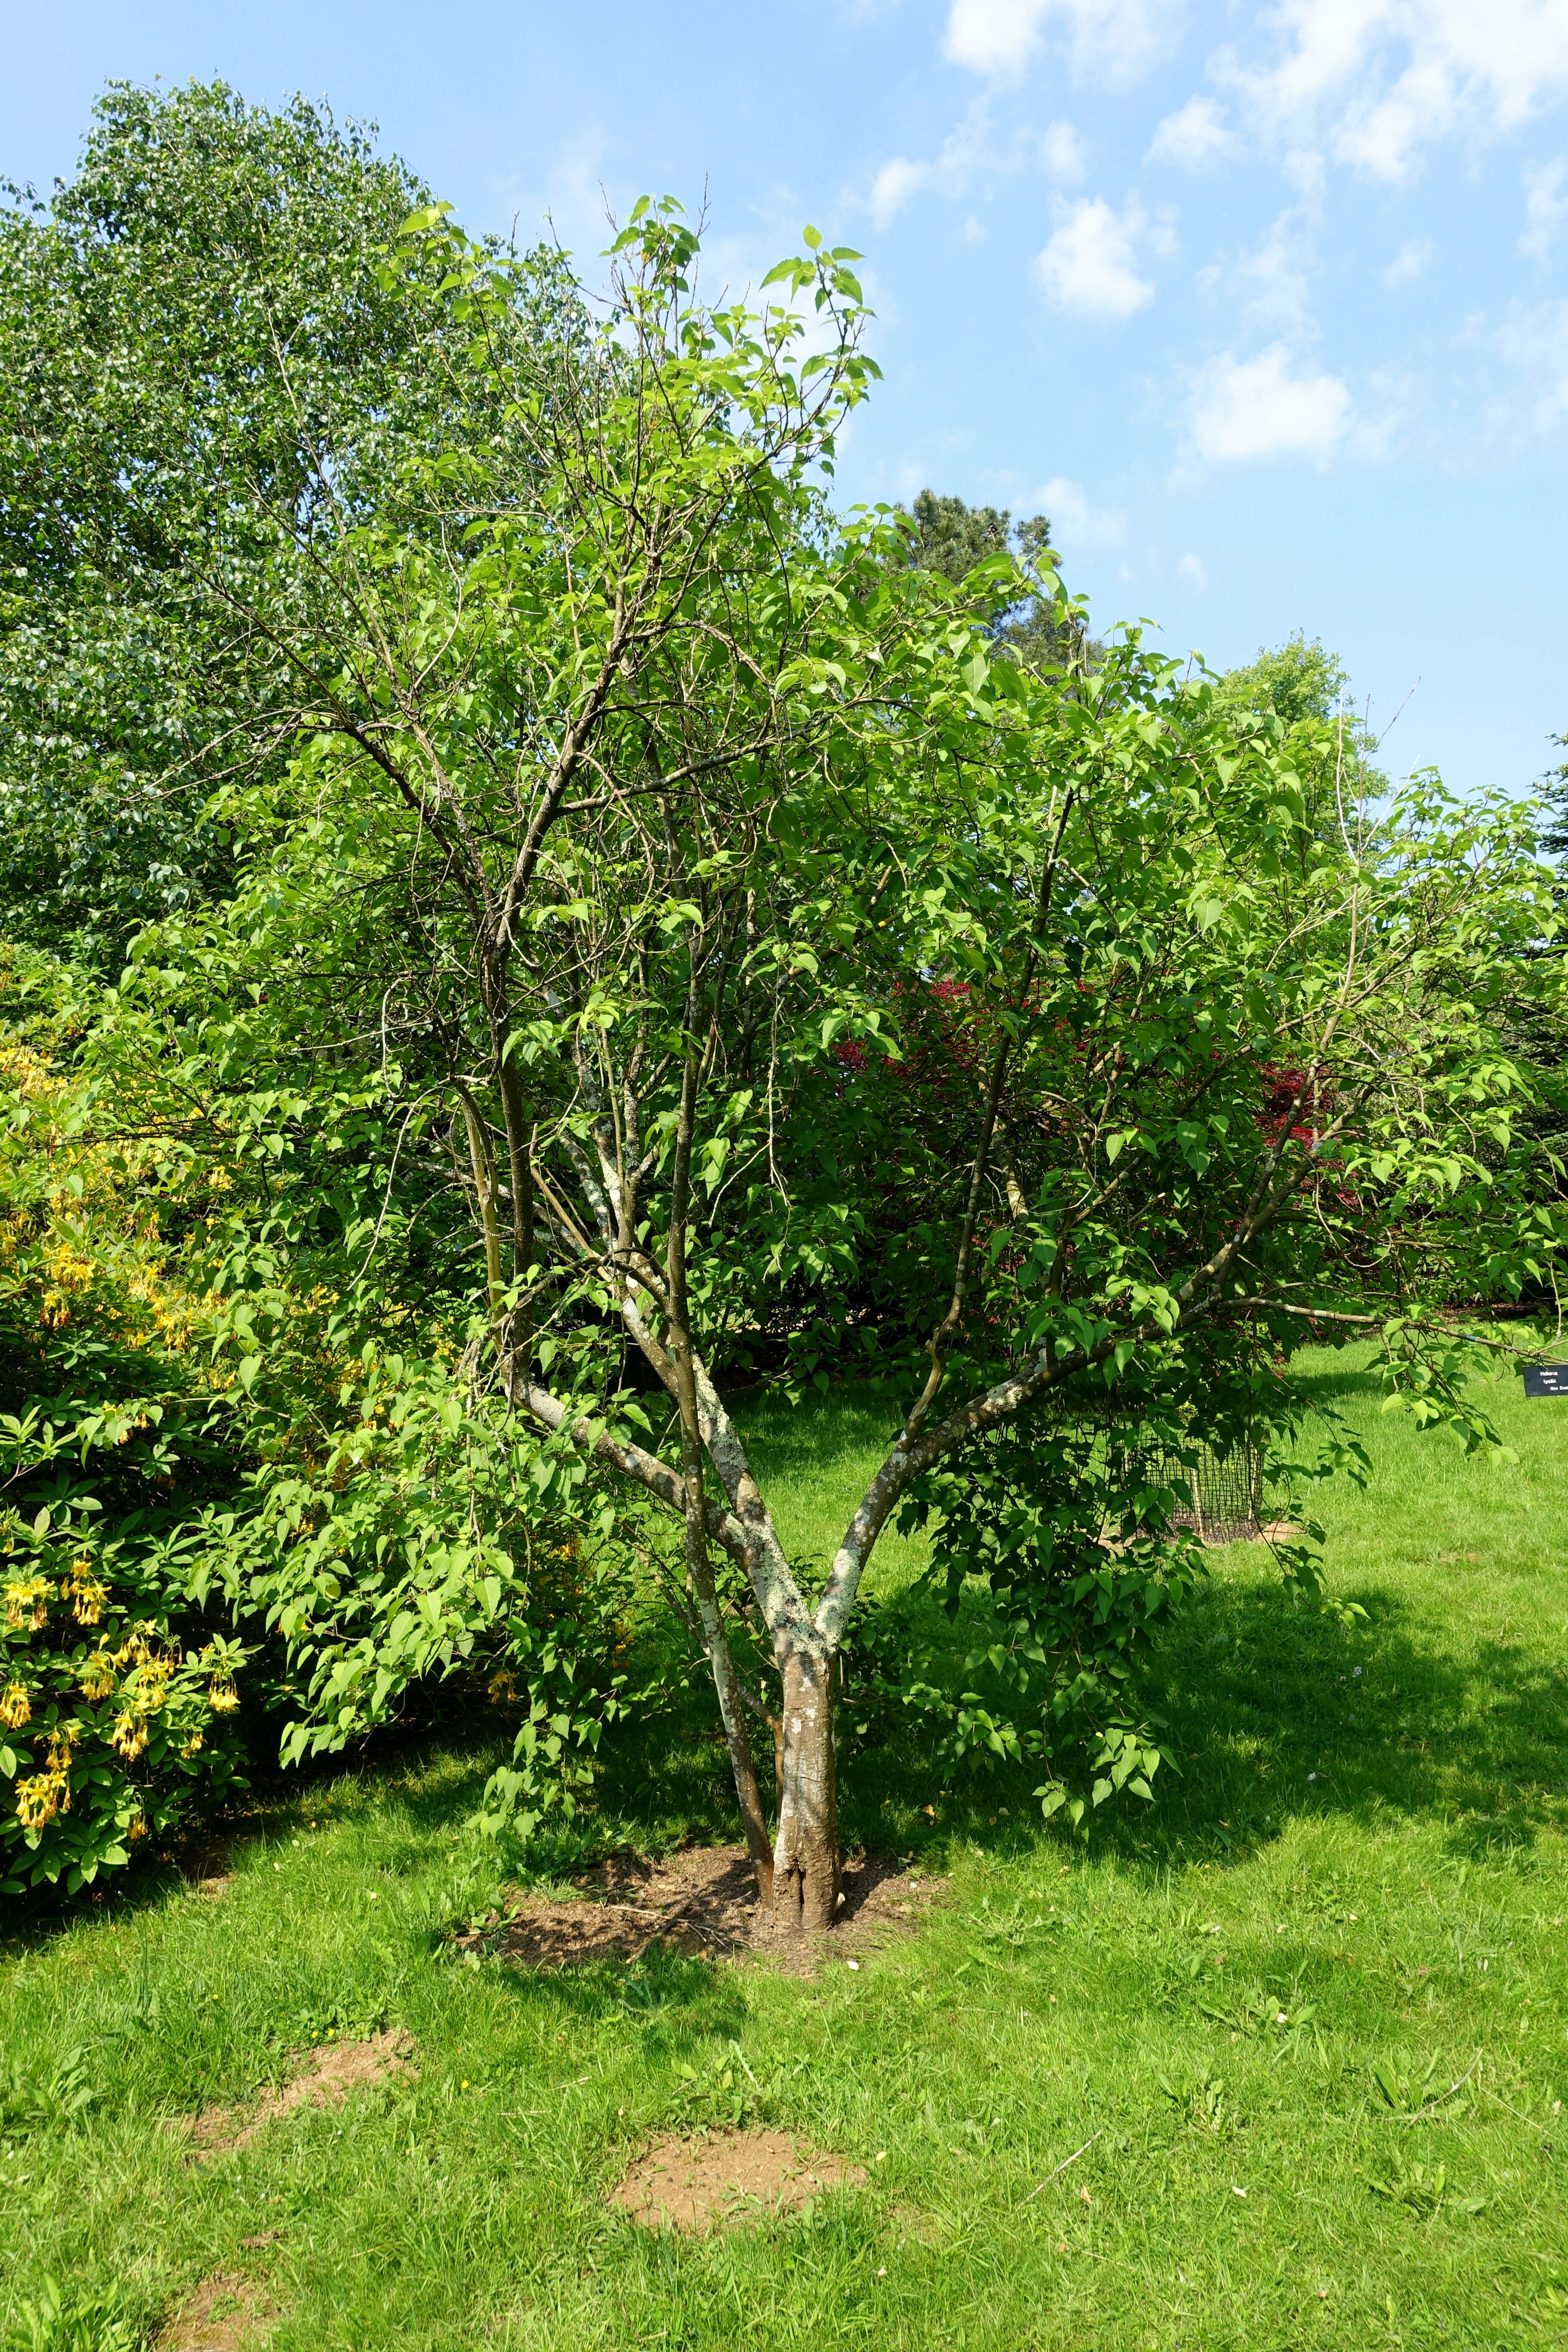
x: 733, y: 1713
x: 805, y: 1851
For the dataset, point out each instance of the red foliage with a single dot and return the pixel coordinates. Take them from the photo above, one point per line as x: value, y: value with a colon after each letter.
x: 1285, y: 1093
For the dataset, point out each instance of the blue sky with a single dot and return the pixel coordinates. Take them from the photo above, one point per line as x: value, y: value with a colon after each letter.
x: 1265, y: 306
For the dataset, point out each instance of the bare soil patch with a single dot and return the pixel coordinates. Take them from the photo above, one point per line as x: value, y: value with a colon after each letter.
x: 205, y: 1864
x: 735, y: 2175
x: 328, y: 2076
x: 227, y: 2313
x: 700, y: 1901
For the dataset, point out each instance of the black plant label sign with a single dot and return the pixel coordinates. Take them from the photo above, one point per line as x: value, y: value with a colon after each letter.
x: 1546, y: 1379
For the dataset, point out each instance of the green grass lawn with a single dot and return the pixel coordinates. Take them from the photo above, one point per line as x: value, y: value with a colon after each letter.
x: 1253, y: 2000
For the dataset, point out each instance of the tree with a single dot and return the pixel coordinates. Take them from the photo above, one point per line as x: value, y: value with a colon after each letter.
x: 1015, y: 594
x: 688, y: 852
x: 194, y: 319
x: 1304, y: 684
x: 1554, y: 839
x: 1298, y: 680
x: 946, y: 536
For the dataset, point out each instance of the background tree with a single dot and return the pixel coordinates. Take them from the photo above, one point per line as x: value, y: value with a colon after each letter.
x: 1016, y: 600
x: 1298, y: 680
x: 195, y: 320
x: 194, y: 338
x: 1554, y: 837
x: 1304, y: 684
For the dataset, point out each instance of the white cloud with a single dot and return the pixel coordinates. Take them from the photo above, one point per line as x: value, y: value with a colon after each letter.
x: 1378, y: 79
x: 1267, y: 289
x: 1190, y: 135
x: 893, y: 186
x: 1271, y: 282
x: 1409, y: 262
x: 1545, y: 209
x: 1061, y: 151
x: 1112, y: 40
x: 1191, y: 569
x: 1088, y: 265
x: 1535, y: 342
x: 1392, y: 402
x: 994, y: 37
x: 903, y: 481
x: 1077, y: 523
x: 1241, y: 410
x: 976, y: 145
x: 1305, y: 169
x: 975, y: 149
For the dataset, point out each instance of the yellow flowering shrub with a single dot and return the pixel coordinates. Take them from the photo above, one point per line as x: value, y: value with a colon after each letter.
x: 117, y: 1691
x: 116, y: 1707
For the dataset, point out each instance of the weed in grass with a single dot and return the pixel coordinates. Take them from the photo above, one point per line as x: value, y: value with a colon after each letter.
x: 58, y: 2318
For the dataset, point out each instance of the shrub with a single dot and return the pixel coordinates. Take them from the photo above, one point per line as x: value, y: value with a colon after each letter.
x: 116, y: 1713
x: 116, y: 1699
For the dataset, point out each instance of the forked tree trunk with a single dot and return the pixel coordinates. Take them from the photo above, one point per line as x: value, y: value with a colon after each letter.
x: 805, y: 1850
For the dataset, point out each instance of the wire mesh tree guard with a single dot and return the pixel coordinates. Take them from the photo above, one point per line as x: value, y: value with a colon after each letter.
x: 1218, y: 1490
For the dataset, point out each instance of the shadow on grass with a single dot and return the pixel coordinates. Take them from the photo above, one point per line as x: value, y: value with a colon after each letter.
x: 675, y: 2001
x: 1275, y: 1712
x: 1279, y: 1712
x: 433, y: 1777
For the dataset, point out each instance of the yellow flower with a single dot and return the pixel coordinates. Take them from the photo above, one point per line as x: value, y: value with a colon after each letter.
x: 38, y: 1801
x: 136, y: 1827
x: 147, y: 1685
x: 130, y: 1736
x: 28, y: 1603
x: 152, y: 1684
x: 88, y: 1594
x: 192, y: 1744
x: 16, y: 1707
x: 222, y: 1696
x: 61, y: 1742
x: 98, y: 1676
